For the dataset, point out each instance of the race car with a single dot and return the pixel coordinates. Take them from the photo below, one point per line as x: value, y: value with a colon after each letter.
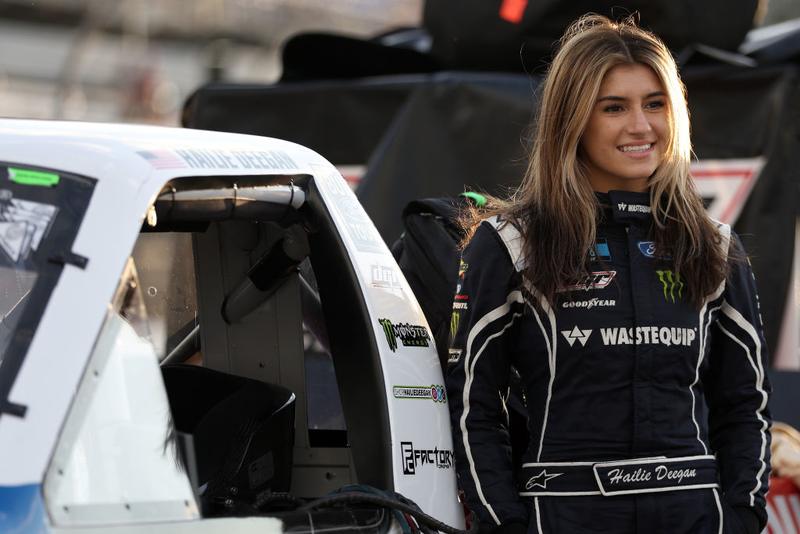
x: 204, y: 332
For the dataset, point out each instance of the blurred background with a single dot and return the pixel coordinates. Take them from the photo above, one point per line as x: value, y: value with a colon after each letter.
x: 138, y: 60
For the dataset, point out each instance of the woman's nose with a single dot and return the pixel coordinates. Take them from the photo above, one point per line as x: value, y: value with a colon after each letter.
x: 639, y: 123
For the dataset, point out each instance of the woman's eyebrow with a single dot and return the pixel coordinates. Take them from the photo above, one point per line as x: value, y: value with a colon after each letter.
x: 623, y: 99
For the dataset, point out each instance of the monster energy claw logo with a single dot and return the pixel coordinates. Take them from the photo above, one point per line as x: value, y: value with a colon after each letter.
x: 670, y: 281
x: 411, y: 335
x: 455, y: 320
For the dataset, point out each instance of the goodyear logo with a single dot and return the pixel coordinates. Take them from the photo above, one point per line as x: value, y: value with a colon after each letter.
x: 409, y: 334
x: 672, y: 284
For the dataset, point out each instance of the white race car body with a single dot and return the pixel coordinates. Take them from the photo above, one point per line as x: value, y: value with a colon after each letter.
x: 84, y: 412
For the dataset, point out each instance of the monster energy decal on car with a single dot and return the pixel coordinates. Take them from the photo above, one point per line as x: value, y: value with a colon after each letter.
x: 411, y: 335
x: 671, y: 281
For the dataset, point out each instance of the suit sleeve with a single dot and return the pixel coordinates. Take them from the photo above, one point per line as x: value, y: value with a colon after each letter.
x: 737, y: 392
x: 485, y: 312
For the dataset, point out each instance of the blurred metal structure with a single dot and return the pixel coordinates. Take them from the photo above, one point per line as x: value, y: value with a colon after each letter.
x: 136, y: 60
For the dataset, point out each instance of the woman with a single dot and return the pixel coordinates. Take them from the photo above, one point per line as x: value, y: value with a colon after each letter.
x: 622, y: 306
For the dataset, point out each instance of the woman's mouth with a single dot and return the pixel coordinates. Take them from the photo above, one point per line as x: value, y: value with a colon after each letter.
x: 635, y: 149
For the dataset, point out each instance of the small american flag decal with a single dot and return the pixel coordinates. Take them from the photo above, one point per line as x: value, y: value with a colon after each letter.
x: 162, y: 159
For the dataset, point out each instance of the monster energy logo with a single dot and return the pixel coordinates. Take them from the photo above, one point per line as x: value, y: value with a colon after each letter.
x: 670, y: 280
x: 411, y: 335
x: 455, y: 320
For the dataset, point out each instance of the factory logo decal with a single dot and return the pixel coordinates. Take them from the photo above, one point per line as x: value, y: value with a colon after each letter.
x: 420, y: 458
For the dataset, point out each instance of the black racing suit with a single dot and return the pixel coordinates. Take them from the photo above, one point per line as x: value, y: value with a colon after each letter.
x: 625, y: 369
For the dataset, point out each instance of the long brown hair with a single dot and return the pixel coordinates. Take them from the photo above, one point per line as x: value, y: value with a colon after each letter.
x: 555, y: 207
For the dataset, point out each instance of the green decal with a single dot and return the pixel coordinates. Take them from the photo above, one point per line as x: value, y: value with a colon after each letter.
x: 455, y: 321
x: 28, y: 177
x: 388, y: 330
x: 479, y: 199
x: 669, y: 281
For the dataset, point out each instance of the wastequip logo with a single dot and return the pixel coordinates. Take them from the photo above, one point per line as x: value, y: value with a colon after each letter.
x: 634, y: 208
x: 410, y: 334
x: 640, y: 335
x: 413, y: 458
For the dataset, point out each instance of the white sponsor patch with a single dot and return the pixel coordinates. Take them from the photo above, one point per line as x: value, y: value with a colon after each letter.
x: 577, y: 333
x: 648, y: 335
x: 588, y: 304
x: 593, y: 280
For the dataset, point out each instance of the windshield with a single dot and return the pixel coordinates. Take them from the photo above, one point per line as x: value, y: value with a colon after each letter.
x: 40, y: 211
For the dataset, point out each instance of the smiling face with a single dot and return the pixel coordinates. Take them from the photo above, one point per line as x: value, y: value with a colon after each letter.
x: 626, y: 136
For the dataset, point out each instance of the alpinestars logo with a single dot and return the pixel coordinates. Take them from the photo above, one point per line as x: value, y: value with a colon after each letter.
x: 621, y: 206
x: 577, y: 334
x: 671, y: 282
x: 411, y: 335
x: 541, y: 480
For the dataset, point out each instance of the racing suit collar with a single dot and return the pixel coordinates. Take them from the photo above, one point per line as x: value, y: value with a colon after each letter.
x: 626, y: 207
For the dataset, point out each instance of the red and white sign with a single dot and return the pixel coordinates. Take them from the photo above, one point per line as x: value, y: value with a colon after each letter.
x: 352, y: 174
x: 726, y: 184
x: 783, y: 507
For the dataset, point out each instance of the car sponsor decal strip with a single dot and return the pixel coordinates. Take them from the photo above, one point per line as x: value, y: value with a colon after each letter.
x: 29, y: 177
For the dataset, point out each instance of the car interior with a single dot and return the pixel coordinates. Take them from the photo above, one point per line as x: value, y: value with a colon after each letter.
x: 271, y: 371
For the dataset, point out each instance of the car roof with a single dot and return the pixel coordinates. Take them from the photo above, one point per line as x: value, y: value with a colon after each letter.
x: 139, y: 153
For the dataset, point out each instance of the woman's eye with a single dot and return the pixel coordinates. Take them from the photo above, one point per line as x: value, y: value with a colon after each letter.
x: 656, y: 104
x: 613, y: 108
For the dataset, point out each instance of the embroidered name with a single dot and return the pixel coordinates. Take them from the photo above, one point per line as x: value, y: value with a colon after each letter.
x: 641, y: 474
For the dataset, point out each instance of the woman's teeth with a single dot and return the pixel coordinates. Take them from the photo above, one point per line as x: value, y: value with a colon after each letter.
x: 638, y: 148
